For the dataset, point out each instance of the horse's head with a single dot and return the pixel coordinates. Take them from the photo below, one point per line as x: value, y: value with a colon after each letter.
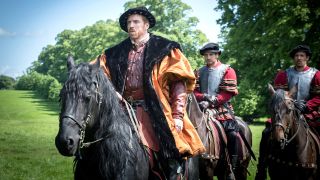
x: 282, y: 108
x: 80, y: 99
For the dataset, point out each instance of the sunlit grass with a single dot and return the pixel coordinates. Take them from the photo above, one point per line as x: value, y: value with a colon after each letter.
x: 28, y: 126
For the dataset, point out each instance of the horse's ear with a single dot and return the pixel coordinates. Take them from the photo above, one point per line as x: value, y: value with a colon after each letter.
x: 95, y: 67
x: 70, y: 63
x: 271, y: 89
x: 293, y: 91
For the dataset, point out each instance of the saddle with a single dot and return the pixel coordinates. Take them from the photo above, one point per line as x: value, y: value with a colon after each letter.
x: 315, y: 136
x: 215, y: 135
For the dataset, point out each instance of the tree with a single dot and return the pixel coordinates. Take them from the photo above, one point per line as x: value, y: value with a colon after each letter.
x: 86, y: 44
x: 44, y: 85
x: 258, y: 34
x: 6, y: 82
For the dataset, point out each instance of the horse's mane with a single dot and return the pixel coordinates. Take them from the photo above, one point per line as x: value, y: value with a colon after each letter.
x: 118, y: 149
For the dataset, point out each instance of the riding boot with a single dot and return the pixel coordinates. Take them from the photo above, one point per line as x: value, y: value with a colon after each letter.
x: 174, y: 169
x: 232, y: 168
x: 233, y: 149
x: 234, y: 163
x: 230, y: 173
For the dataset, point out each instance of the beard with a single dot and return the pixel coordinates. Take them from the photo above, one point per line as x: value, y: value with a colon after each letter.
x: 133, y: 34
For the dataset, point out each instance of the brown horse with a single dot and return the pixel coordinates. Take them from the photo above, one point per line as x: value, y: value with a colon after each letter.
x: 215, y: 161
x: 293, y: 148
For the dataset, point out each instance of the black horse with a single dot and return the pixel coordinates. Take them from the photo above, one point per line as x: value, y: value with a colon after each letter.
x: 293, y: 149
x: 94, y: 128
x: 216, y: 163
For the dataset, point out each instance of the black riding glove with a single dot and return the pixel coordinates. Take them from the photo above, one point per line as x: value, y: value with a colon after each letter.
x: 211, y: 99
x: 204, y: 105
x: 301, y: 105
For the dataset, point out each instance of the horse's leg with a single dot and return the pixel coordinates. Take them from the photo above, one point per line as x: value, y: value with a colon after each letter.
x: 144, y: 170
x: 242, y: 171
x: 206, y: 168
x: 192, y: 168
x: 86, y: 170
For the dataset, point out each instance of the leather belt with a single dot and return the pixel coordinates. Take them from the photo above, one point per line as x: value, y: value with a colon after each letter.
x: 137, y: 103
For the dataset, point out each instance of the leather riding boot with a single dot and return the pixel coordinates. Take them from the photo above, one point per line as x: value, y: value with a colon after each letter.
x: 230, y: 175
x: 233, y: 149
x: 234, y: 163
x: 232, y: 168
x: 174, y: 169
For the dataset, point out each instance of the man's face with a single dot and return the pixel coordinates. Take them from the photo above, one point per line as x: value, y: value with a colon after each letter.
x: 300, y: 59
x: 137, y: 26
x: 210, y: 57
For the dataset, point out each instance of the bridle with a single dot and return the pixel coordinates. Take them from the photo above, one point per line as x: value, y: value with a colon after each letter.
x: 288, y: 128
x: 87, y: 119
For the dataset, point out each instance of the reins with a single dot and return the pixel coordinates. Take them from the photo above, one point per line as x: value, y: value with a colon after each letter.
x: 82, y: 144
x: 132, y: 117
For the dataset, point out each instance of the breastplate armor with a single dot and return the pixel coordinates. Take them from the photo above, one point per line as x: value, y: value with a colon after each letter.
x: 210, y: 78
x: 302, y: 80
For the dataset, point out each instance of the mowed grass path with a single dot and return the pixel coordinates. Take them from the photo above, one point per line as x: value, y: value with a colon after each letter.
x: 28, y: 126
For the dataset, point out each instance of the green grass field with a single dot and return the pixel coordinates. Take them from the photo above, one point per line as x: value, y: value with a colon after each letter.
x: 28, y: 126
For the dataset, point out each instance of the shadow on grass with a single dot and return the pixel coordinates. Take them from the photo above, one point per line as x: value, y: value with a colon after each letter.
x: 43, y: 104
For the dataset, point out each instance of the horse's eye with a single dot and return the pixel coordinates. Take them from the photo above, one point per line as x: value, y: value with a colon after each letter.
x: 86, y: 97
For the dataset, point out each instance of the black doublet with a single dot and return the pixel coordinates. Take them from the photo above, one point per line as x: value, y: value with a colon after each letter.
x: 156, y: 49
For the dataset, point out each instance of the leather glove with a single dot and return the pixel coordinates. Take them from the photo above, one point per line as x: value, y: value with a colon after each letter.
x: 204, y: 105
x: 178, y: 124
x: 301, y: 105
x: 211, y: 99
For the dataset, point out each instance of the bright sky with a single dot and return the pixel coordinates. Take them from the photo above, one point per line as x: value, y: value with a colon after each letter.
x: 27, y: 26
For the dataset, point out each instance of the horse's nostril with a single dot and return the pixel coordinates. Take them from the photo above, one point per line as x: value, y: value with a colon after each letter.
x: 70, y: 141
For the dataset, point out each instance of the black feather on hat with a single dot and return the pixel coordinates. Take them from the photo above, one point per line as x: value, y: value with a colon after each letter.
x: 300, y: 48
x: 138, y: 10
x: 214, y: 47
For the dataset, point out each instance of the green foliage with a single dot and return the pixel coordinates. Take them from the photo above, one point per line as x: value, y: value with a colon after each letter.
x: 85, y: 45
x: 6, y: 82
x: 258, y: 35
x: 27, y: 81
x: 246, y: 102
x: 54, y: 90
x: 45, y: 85
x: 173, y: 22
